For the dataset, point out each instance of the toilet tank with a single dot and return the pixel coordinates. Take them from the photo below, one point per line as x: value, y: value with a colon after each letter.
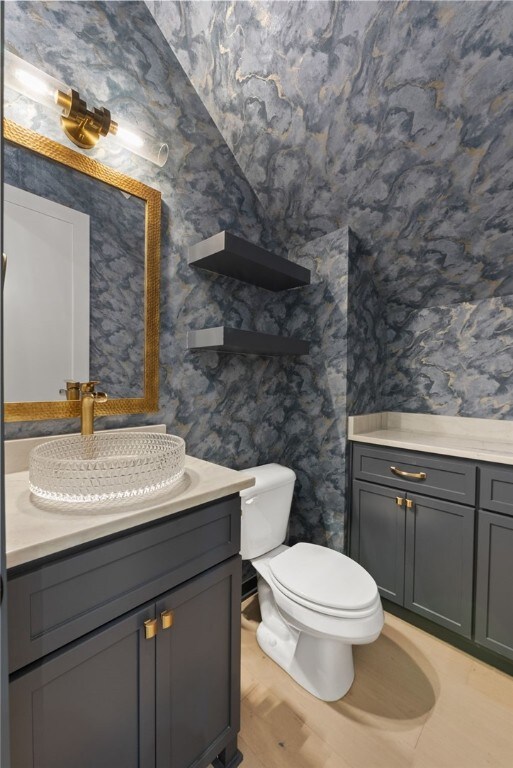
x: 265, y: 509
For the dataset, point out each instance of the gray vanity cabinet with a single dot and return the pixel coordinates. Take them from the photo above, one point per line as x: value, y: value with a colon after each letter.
x: 122, y: 694
x: 494, y: 596
x: 439, y: 562
x: 90, y: 705
x: 418, y: 546
x: 419, y: 551
x: 198, y: 669
x: 494, y: 584
x: 378, y: 536
x: 436, y: 533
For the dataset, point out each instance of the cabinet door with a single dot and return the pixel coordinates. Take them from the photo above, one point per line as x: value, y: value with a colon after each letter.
x: 439, y: 562
x: 494, y: 597
x: 198, y: 668
x: 91, y: 705
x: 378, y: 536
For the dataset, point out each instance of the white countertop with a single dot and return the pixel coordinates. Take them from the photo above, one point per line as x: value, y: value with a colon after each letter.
x: 35, y: 528
x: 478, y: 439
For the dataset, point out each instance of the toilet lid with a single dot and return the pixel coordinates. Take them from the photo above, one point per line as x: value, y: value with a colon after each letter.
x: 324, y: 577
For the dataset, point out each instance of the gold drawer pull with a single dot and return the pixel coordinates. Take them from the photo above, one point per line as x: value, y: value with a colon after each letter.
x: 409, y: 503
x: 399, y: 500
x: 410, y: 475
x: 166, y: 618
x: 150, y: 628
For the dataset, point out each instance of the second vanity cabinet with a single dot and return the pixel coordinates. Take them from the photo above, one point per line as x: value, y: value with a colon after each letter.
x: 436, y: 533
x: 420, y: 550
x: 127, y: 653
x: 494, y: 585
x: 413, y: 530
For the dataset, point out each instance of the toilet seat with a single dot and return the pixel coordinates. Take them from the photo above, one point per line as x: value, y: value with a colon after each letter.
x: 354, y: 627
x: 324, y: 581
x: 337, y: 613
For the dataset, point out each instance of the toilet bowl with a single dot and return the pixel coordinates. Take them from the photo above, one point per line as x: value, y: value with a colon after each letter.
x: 315, y: 603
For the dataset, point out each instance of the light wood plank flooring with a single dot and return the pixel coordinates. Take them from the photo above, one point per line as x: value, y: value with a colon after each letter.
x: 416, y: 701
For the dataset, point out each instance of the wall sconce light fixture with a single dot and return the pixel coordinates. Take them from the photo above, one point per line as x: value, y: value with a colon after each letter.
x: 82, y: 125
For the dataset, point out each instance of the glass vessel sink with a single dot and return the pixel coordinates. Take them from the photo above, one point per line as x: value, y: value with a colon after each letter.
x: 106, y: 466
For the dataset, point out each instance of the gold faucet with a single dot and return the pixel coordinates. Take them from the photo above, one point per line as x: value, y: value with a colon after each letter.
x: 88, y: 399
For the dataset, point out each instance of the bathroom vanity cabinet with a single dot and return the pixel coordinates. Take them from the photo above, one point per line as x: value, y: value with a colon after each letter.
x: 436, y: 533
x: 126, y: 651
x: 494, y: 585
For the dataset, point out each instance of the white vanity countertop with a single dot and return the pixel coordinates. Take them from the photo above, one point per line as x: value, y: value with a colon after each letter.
x: 37, y: 529
x: 478, y: 439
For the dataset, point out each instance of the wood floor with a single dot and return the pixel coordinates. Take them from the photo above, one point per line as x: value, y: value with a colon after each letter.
x: 416, y: 701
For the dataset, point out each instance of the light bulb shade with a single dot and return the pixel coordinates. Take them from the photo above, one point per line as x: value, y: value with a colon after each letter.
x: 140, y: 143
x: 28, y: 80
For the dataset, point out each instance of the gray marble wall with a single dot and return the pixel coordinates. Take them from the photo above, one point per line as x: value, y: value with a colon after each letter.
x: 315, y: 430
x: 340, y: 313
x: 453, y: 360
x: 391, y: 117
x: 367, y: 334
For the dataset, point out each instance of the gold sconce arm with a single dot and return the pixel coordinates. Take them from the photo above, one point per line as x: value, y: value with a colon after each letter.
x: 81, y: 125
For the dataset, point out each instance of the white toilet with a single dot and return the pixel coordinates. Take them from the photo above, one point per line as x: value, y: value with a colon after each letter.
x: 315, y: 603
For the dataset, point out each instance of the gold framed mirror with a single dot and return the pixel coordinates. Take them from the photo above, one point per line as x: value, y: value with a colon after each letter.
x: 148, y: 366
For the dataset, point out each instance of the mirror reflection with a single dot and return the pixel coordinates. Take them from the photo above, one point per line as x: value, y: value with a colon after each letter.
x: 76, y: 254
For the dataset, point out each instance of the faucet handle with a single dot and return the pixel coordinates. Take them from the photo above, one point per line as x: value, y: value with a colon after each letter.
x: 87, y: 387
x: 100, y: 397
x: 72, y: 390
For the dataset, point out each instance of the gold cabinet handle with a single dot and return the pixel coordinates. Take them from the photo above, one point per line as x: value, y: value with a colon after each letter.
x: 399, y: 500
x: 150, y: 628
x: 410, y: 475
x: 166, y: 618
x: 409, y: 503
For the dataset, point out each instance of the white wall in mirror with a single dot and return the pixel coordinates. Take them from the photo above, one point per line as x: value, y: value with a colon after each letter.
x: 46, y: 296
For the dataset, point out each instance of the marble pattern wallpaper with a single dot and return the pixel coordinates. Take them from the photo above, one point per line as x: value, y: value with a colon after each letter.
x: 366, y: 334
x: 393, y: 118
x: 454, y: 360
x: 390, y: 117
x: 340, y: 314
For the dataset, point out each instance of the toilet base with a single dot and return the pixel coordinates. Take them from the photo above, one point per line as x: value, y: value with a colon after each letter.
x: 323, y: 666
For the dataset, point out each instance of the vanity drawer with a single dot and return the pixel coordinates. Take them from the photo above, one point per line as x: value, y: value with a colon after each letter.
x: 60, y: 601
x: 445, y: 478
x: 496, y: 489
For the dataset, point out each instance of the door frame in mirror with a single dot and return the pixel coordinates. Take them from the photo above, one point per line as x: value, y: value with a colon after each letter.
x: 149, y: 402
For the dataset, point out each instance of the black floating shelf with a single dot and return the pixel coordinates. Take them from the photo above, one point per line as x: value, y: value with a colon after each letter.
x: 222, y: 339
x: 229, y: 255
